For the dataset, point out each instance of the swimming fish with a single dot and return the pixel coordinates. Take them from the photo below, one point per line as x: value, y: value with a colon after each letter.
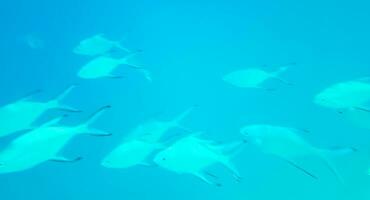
x: 34, y: 42
x: 253, y: 77
x: 193, y: 155
x: 154, y: 130
x: 103, y: 67
x: 44, y: 144
x: 288, y: 145
x: 344, y: 95
x: 22, y: 113
x: 131, y: 153
x: 98, y: 45
x: 141, y: 143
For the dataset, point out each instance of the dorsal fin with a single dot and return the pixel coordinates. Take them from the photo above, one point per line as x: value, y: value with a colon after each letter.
x: 93, y: 117
x: 183, y: 115
x: 63, y: 95
x: 29, y: 95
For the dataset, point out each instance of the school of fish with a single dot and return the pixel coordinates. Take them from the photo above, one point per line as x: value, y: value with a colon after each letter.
x: 151, y: 144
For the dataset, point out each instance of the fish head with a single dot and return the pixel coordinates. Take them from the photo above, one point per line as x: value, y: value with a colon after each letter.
x: 255, y: 134
x: 166, y: 159
x: 325, y: 99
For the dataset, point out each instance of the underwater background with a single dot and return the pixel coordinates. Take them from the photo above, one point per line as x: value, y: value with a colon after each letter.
x: 188, y: 46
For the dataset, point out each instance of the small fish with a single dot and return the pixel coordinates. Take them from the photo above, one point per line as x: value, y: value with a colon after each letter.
x: 98, y: 45
x: 253, y: 77
x: 344, y: 95
x: 103, y: 67
x: 44, y: 144
x: 288, y: 145
x: 34, y: 42
x: 131, y: 153
x: 193, y: 155
x: 22, y: 113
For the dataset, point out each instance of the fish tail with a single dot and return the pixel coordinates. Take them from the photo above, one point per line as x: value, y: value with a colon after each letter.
x: 57, y: 102
x: 325, y: 157
x: 93, y: 117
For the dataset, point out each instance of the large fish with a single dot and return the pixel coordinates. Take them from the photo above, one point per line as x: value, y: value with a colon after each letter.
x: 193, y: 155
x: 98, y: 45
x: 44, y: 144
x: 21, y: 114
x: 287, y: 144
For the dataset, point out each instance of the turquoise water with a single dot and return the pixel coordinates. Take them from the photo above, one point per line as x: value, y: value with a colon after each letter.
x: 188, y: 46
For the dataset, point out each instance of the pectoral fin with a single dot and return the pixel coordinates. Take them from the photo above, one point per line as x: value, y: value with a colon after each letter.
x: 62, y: 159
x: 300, y: 168
x: 206, y: 180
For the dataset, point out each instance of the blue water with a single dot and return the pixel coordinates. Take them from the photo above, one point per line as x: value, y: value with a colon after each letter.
x: 188, y: 46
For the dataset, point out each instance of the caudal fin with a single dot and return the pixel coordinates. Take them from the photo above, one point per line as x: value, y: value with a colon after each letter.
x: 93, y: 117
x: 325, y: 155
x: 85, y: 128
x: 58, y: 101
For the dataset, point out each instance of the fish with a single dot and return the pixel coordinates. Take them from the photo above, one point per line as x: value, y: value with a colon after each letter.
x: 131, y: 153
x: 344, y: 95
x: 254, y: 77
x: 153, y: 130
x: 194, y: 155
x: 22, y: 113
x: 141, y: 143
x: 45, y: 143
x: 287, y: 144
x: 103, y: 67
x: 34, y: 42
x: 98, y: 45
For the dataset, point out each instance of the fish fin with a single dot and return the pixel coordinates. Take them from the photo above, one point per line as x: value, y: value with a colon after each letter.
x: 283, y: 81
x: 335, y: 151
x: 332, y: 168
x: 66, y: 108
x: 120, y: 46
x: 325, y: 155
x: 93, y: 117
x: 202, y: 176
x: 64, y: 94
x: 176, y: 121
x: 295, y: 165
x: 98, y: 133
x: 54, y: 121
x: 185, y: 129
x: 281, y: 69
x: 234, y: 148
x: 29, y: 95
x: 147, y: 74
x: 112, y: 76
x: 62, y: 159
x: 235, y: 172
x: 362, y: 109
